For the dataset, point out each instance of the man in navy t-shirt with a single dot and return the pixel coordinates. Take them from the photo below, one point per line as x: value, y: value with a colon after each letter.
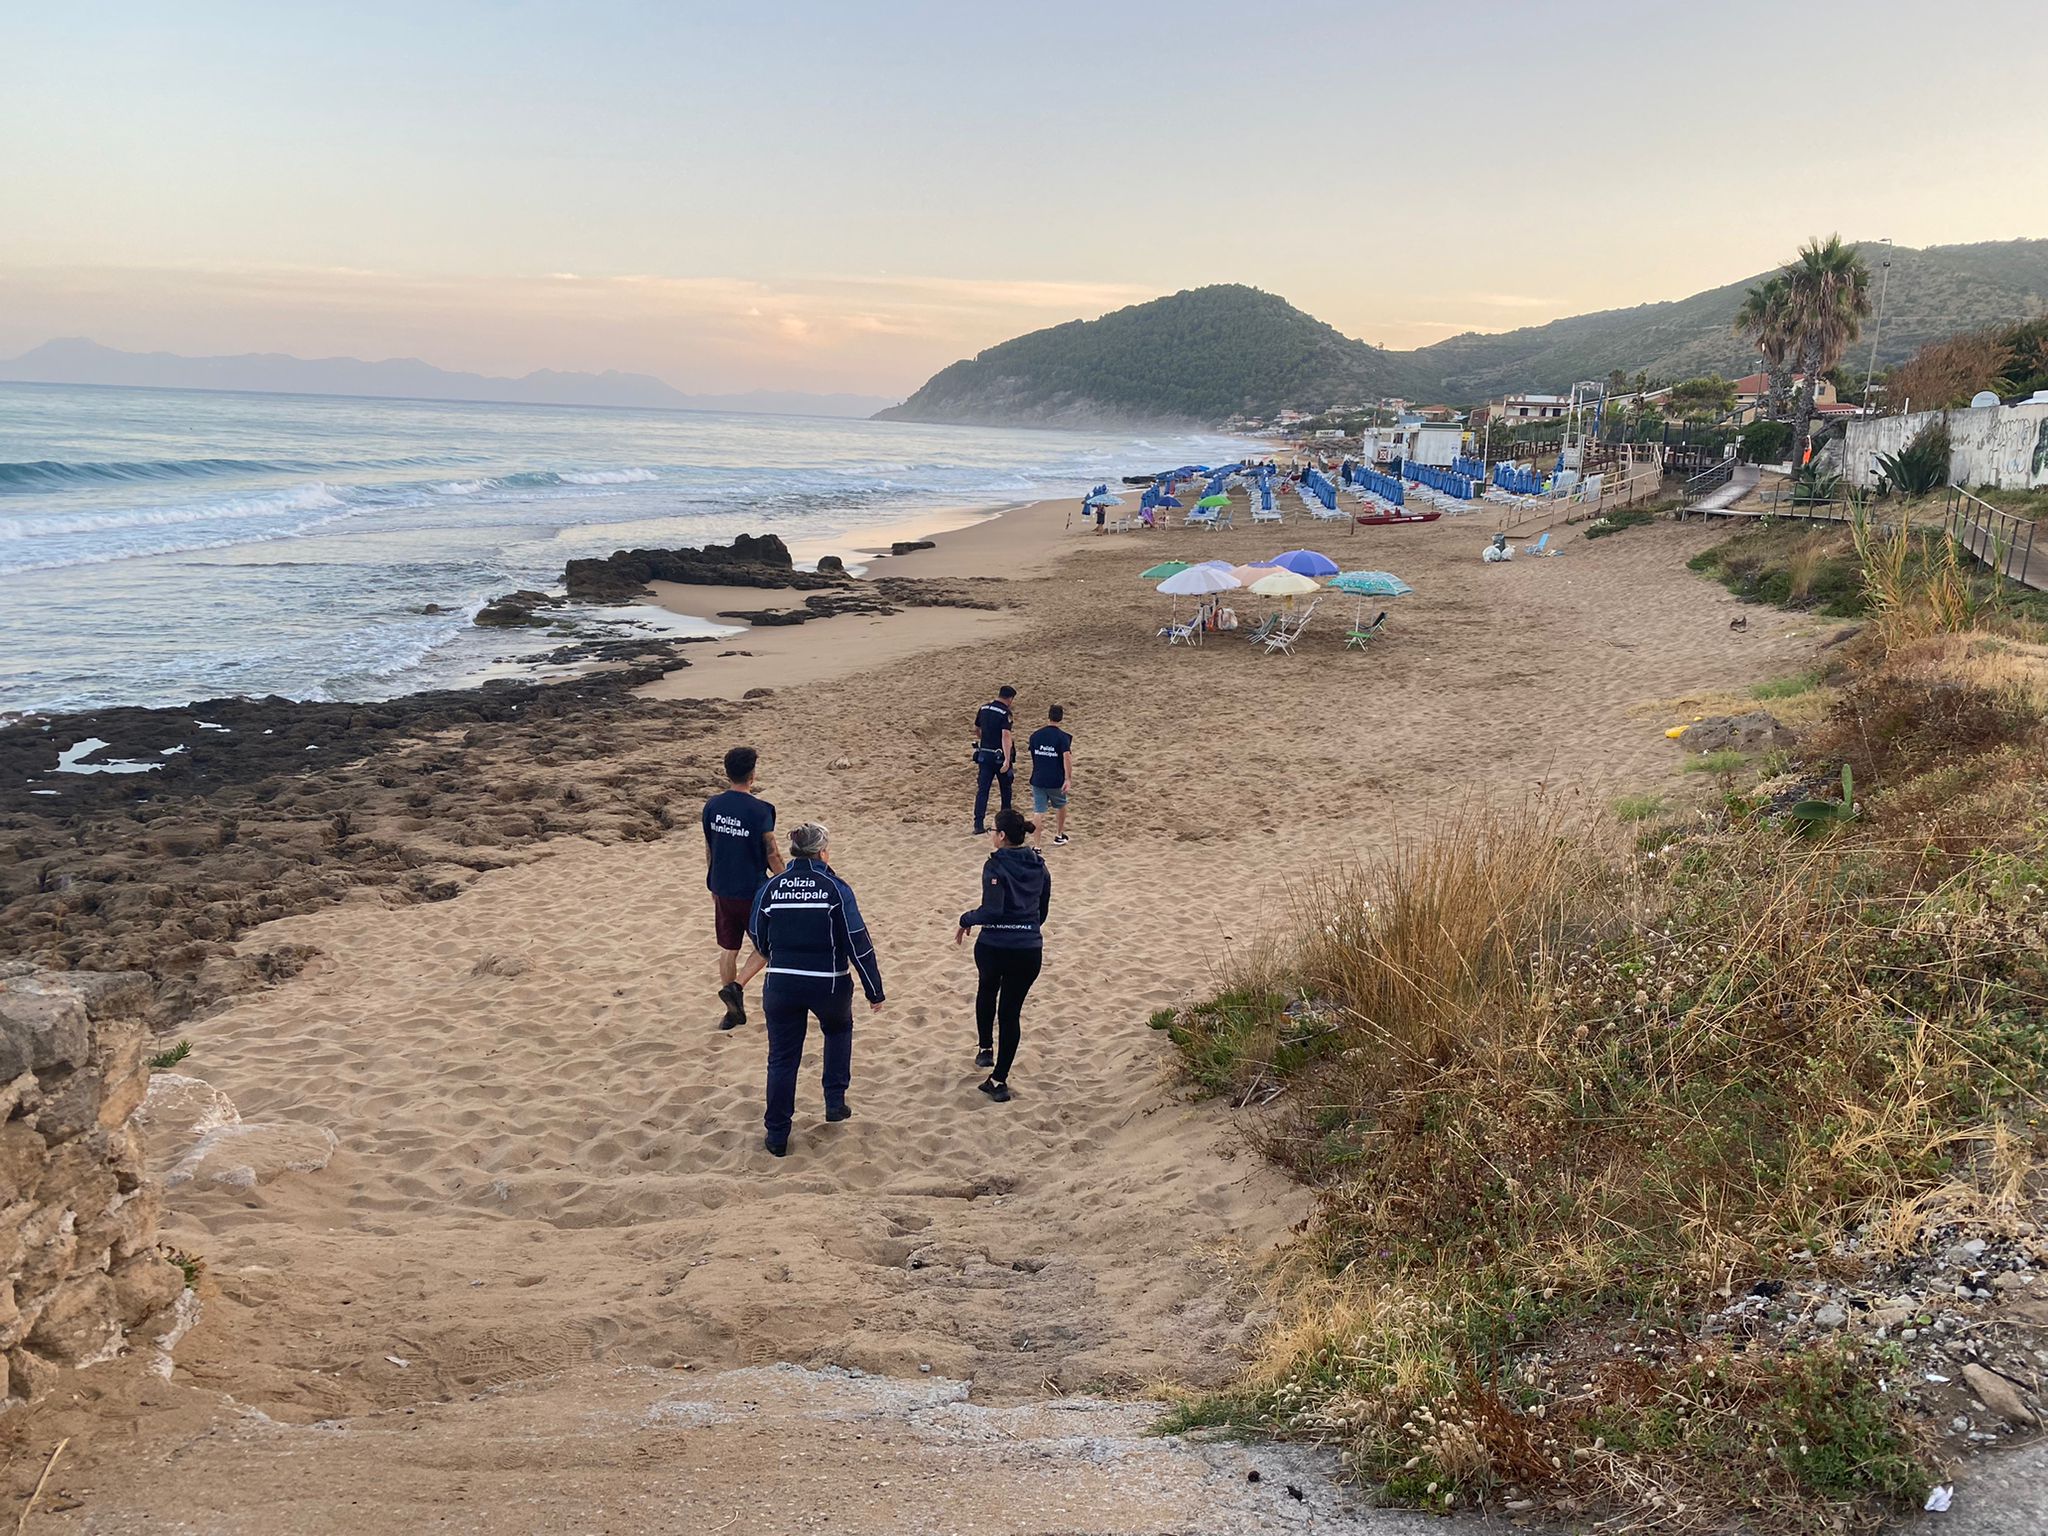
x: 995, y: 753
x: 739, y: 855
x: 1052, y: 770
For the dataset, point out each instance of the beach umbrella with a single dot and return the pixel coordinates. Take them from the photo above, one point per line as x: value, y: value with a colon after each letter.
x: 1169, y: 501
x: 1247, y: 574
x: 1220, y: 500
x: 1221, y: 565
x: 1306, y: 562
x: 1163, y: 569
x: 1282, y: 583
x: 1103, y: 499
x: 1199, y: 581
x: 1371, y: 584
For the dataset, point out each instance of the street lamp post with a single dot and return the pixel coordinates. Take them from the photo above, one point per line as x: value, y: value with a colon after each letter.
x: 1884, y: 273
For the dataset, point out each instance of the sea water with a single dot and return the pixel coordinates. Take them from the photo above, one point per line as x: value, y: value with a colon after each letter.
x: 162, y: 546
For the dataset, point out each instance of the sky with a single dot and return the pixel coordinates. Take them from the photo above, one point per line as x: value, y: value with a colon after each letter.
x: 803, y: 194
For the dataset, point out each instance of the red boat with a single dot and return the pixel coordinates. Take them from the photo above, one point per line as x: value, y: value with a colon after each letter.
x: 1380, y: 519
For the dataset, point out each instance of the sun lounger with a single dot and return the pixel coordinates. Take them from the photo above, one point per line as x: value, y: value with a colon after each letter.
x: 1283, y: 638
x: 1540, y: 547
x: 1262, y: 515
x: 1359, y: 635
x: 1258, y: 635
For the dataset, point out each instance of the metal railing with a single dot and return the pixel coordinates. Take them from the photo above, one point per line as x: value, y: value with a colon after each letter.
x: 1708, y: 480
x: 1995, y: 537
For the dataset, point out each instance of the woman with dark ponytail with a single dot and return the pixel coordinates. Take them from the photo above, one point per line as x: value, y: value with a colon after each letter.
x: 1016, y: 896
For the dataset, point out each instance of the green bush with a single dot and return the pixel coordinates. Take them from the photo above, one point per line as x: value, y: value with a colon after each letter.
x: 1765, y: 442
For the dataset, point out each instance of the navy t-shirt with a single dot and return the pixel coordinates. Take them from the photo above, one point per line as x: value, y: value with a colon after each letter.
x: 736, y: 826
x: 991, y: 721
x: 1048, y: 742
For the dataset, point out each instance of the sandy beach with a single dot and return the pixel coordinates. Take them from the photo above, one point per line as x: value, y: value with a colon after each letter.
x: 505, y: 1205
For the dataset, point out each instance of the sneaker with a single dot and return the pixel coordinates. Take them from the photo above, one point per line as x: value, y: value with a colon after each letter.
x: 984, y: 1057
x: 834, y: 1113
x: 735, y: 1002
x: 775, y: 1148
x: 1000, y: 1092
x: 1060, y: 841
x: 981, y: 832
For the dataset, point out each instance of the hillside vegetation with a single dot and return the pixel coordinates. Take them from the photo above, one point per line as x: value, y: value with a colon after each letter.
x: 1197, y: 357
x: 1206, y: 354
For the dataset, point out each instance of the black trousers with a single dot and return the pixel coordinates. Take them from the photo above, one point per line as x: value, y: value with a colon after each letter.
x: 1006, y: 977
x: 986, y: 765
x: 787, y: 1004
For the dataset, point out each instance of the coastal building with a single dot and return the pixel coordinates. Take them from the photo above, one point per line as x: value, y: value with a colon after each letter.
x: 1512, y: 410
x: 1752, y: 389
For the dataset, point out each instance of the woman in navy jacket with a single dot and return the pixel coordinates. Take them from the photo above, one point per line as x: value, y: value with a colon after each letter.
x: 1016, y: 896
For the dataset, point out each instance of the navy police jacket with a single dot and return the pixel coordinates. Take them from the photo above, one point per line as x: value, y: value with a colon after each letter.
x: 1016, y: 898
x: 806, y: 923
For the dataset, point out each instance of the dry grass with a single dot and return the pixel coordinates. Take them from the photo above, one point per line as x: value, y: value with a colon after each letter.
x: 1556, y: 1088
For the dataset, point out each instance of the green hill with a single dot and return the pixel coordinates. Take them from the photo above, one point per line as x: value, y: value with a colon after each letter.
x: 1206, y: 354
x: 1931, y: 293
x: 1196, y: 358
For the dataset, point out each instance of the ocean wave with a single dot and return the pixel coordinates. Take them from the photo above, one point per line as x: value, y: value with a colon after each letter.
x: 60, y: 474
x: 312, y: 497
x: 460, y: 487
x: 540, y: 477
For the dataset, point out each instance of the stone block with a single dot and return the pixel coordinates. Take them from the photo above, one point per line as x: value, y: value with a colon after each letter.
x: 49, y: 1240
x: 78, y: 1177
x: 122, y: 1095
x: 43, y: 1024
x: 109, y: 995
x: 30, y: 1376
x: 144, y: 1285
x: 22, y: 1093
x: 23, y: 1157
x: 128, y: 1227
x: 78, y: 1322
x: 71, y: 1104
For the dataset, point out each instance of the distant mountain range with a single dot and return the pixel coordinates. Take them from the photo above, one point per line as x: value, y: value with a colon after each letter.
x: 78, y: 361
x: 1205, y: 355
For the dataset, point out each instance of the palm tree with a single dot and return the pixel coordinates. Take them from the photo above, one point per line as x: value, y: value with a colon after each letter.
x: 1764, y: 320
x: 1827, y: 301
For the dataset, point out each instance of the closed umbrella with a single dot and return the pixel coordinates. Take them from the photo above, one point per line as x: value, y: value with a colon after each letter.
x: 1306, y: 562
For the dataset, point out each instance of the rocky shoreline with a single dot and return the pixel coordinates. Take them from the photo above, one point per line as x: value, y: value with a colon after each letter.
x: 152, y: 839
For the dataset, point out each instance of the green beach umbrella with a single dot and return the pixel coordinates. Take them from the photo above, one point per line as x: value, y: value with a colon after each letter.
x: 1218, y: 500
x: 1163, y: 569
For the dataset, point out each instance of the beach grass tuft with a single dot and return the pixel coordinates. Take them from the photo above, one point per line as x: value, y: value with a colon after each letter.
x: 163, y: 1061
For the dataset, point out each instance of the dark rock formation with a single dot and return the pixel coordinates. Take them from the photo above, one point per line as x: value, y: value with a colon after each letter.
x: 751, y: 560
x: 911, y: 546
x: 831, y: 565
x: 515, y: 609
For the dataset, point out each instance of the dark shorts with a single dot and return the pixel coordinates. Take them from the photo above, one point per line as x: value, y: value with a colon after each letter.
x: 731, y: 914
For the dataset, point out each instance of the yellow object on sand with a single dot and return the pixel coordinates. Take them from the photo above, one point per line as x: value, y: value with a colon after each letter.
x: 1677, y: 731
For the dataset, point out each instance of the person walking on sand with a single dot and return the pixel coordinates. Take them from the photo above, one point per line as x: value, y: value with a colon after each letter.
x: 807, y: 925
x: 995, y: 753
x: 739, y: 853
x: 1016, y: 898
x: 1052, y: 771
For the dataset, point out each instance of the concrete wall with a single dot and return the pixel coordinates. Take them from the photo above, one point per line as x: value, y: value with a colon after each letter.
x: 82, y: 1279
x: 2004, y: 446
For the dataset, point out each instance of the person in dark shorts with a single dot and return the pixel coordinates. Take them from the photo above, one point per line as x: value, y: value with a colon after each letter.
x: 806, y: 922
x: 1016, y: 897
x: 1052, y: 771
x: 739, y: 853
x: 995, y: 753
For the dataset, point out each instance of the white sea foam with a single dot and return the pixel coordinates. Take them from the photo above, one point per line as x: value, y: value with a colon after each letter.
x: 606, y: 476
x: 311, y: 497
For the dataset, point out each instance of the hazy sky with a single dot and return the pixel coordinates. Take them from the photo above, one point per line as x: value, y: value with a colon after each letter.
x: 848, y: 196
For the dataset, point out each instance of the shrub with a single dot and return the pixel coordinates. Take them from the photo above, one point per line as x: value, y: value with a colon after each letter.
x: 1919, y: 467
x: 1765, y: 442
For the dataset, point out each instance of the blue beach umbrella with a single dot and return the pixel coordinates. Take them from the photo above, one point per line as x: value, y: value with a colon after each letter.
x: 1103, y: 500
x: 1306, y: 562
